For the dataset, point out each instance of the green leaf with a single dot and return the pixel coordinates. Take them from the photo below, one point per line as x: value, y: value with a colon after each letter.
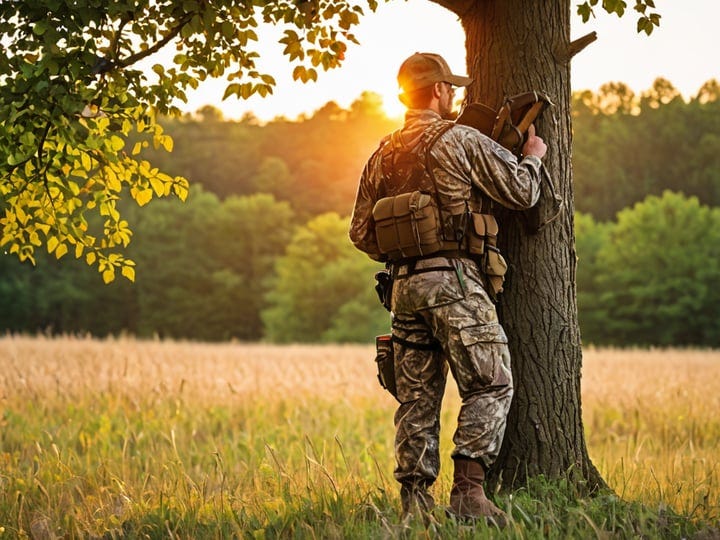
x: 227, y: 29
x: 231, y: 90
x: 40, y: 27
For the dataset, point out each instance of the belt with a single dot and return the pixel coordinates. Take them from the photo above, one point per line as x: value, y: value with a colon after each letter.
x: 410, y: 269
x: 447, y: 253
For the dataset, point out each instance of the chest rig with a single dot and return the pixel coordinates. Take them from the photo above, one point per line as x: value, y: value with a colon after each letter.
x: 411, y: 220
x: 408, y: 215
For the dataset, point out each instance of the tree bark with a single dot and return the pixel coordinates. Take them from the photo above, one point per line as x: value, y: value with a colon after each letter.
x: 514, y: 46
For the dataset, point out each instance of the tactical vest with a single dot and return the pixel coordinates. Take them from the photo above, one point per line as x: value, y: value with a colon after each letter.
x: 411, y: 219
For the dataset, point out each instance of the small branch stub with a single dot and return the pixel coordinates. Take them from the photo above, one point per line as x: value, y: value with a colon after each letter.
x: 577, y: 45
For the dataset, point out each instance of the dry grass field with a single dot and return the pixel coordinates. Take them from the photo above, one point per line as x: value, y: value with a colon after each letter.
x: 129, y: 438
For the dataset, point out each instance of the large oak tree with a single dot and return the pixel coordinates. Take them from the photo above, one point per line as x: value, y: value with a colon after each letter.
x: 514, y: 46
x: 71, y: 92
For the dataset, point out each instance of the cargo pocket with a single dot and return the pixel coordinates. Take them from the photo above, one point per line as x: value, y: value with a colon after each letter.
x: 426, y: 290
x: 488, y: 356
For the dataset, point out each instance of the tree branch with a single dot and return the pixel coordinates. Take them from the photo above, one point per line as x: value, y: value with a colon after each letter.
x: 40, y: 151
x: 576, y: 46
x: 458, y: 7
x: 106, y: 64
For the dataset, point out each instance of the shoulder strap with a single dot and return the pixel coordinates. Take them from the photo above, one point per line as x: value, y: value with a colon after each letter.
x: 411, y: 160
x: 436, y: 131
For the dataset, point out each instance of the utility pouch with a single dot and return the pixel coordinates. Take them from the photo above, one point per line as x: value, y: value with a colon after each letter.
x: 407, y: 225
x: 482, y: 242
x: 495, y: 268
x: 385, y: 359
x: 383, y: 287
x: 476, y: 235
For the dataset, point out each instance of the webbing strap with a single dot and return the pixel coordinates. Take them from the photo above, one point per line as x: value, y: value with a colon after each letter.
x: 447, y: 253
x: 432, y: 346
x: 413, y: 271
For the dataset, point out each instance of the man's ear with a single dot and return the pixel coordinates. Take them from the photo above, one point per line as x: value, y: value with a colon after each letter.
x: 437, y: 90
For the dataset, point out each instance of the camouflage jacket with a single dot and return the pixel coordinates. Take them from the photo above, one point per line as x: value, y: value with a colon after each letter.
x: 467, y: 165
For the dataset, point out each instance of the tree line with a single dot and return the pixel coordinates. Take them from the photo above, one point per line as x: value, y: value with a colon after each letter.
x: 259, y: 251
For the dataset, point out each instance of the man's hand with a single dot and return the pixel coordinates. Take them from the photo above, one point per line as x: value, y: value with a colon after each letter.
x: 534, y: 146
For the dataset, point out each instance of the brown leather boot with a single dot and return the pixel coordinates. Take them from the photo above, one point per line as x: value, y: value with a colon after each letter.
x: 467, y: 497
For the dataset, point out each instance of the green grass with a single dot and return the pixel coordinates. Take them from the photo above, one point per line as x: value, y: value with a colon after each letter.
x: 112, y: 461
x: 166, y: 468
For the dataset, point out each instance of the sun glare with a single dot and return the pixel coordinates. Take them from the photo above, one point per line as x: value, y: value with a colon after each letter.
x: 398, y: 29
x: 370, y: 66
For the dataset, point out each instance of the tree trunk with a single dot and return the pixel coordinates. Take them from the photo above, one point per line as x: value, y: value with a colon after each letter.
x: 514, y: 46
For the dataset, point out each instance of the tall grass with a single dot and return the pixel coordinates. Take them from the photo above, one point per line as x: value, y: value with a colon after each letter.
x: 122, y: 438
x: 653, y: 424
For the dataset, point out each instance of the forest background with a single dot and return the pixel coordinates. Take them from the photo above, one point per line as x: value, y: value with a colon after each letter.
x: 259, y: 252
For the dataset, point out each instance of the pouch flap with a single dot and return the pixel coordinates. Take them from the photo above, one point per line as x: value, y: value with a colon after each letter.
x: 491, y: 226
x: 485, y: 333
x: 478, y: 224
x: 495, y: 264
x: 400, y: 205
x: 383, y: 208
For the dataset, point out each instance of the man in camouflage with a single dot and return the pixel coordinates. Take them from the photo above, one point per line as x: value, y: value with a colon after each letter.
x: 442, y: 307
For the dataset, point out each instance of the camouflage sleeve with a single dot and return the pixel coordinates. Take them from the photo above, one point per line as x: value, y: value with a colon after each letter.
x: 465, y: 153
x: 362, y: 225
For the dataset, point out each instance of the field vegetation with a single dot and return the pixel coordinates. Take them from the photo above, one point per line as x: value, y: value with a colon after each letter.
x: 123, y: 438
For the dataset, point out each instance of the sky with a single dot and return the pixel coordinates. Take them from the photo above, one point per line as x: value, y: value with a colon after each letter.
x: 681, y: 50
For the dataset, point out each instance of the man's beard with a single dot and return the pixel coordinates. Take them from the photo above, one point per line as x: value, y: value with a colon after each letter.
x: 448, y: 114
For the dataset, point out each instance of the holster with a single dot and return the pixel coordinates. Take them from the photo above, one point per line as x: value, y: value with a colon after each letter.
x: 383, y: 287
x: 385, y: 359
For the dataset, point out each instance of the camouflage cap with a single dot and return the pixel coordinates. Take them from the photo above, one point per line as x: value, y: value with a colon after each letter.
x: 423, y: 69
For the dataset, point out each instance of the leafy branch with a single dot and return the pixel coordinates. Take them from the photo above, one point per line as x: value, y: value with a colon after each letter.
x: 647, y: 21
x: 66, y: 57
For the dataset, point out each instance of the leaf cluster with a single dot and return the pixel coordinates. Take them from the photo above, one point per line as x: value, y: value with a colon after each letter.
x: 646, y: 22
x: 73, y: 90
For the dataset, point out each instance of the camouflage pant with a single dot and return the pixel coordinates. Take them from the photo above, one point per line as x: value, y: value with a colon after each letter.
x: 450, y: 307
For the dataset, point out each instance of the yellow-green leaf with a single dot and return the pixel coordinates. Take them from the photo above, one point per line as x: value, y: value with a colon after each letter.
x: 21, y: 215
x: 128, y: 272
x: 158, y: 185
x: 116, y: 143
x: 61, y: 250
x: 52, y: 243
x: 111, y: 181
x: 143, y: 196
x: 108, y: 275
